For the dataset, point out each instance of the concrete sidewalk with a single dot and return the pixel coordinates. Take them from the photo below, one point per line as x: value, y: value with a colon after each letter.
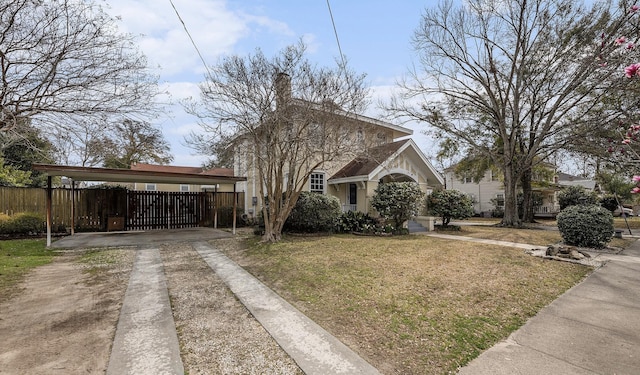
x: 146, y: 341
x: 315, y: 350
x: 594, y: 328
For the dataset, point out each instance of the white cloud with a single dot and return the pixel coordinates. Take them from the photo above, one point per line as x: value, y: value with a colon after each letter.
x: 162, y: 38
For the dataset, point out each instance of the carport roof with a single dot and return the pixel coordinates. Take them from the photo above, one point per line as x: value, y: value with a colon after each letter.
x: 127, y: 175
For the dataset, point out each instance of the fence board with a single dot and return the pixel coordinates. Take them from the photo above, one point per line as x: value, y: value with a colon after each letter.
x: 95, y: 206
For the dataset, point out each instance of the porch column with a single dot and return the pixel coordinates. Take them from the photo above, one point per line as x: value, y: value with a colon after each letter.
x: 49, y: 199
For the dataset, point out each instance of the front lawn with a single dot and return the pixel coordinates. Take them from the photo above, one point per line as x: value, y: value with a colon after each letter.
x: 412, y: 304
x: 17, y: 257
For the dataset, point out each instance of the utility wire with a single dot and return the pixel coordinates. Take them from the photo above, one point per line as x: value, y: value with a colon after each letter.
x: 190, y: 38
x: 335, y: 31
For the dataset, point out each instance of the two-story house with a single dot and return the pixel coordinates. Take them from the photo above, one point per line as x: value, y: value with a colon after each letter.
x: 371, y: 152
x: 488, y: 193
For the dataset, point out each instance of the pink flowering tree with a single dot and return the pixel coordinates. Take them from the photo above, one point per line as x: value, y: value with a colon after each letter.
x: 632, y: 132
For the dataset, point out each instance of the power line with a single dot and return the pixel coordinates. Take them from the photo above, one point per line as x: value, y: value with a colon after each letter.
x: 190, y: 38
x: 335, y: 31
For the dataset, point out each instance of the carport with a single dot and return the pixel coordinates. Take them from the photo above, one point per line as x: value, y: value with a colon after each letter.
x: 126, y: 175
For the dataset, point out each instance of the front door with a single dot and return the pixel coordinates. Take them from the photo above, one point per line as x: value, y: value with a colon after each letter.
x: 353, y: 196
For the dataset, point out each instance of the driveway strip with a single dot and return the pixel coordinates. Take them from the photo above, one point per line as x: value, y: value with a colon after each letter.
x: 146, y: 341
x: 309, y: 345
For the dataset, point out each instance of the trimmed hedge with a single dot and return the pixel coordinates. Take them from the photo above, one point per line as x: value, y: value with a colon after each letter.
x: 586, y: 225
x: 356, y: 221
x: 24, y: 224
x: 313, y: 213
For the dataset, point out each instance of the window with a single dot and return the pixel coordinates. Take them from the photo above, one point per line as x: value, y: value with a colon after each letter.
x: 500, y: 200
x: 359, y: 136
x: 467, y: 180
x: 150, y: 187
x: 184, y: 188
x: 317, y: 182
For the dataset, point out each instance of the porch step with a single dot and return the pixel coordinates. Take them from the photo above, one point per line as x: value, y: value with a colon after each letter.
x: 415, y: 227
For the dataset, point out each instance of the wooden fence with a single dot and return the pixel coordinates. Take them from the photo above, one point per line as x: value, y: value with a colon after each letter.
x: 93, y: 207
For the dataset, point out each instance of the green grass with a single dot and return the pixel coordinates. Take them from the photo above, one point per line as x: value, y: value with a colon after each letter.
x: 411, y: 304
x: 17, y: 258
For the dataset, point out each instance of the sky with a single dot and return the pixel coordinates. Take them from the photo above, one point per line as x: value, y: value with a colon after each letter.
x: 375, y: 37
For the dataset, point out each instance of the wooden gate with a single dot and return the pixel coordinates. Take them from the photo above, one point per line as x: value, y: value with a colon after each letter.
x: 159, y: 210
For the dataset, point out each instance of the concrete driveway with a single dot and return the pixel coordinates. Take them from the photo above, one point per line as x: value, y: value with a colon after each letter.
x: 138, y: 238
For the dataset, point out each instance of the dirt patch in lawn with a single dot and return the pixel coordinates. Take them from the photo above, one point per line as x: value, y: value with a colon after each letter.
x: 63, y: 319
x: 216, y: 332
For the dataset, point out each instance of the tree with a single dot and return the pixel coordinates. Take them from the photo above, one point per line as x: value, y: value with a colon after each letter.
x: 449, y: 204
x: 65, y: 60
x: 520, y: 74
x: 22, y: 146
x: 10, y: 176
x: 134, y: 142
x: 286, y: 118
x: 80, y: 143
x: 397, y: 202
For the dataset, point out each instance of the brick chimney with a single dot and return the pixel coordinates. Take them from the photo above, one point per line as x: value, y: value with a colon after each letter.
x: 283, y: 90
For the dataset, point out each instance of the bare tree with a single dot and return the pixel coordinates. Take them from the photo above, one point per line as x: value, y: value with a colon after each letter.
x: 287, y: 117
x: 79, y: 143
x: 64, y: 60
x: 519, y: 74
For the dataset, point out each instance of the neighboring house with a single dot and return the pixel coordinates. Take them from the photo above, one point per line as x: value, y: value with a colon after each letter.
x: 488, y: 193
x: 180, y: 170
x: 378, y: 156
x: 484, y: 193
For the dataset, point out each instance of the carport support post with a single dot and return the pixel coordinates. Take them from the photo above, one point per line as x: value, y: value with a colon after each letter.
x: 49, y: 194
x: 235, y: 204
x: 215, y: 207
x: 73, y: 207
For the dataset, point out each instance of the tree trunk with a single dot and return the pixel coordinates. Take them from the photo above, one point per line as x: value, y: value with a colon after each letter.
x: 510, y: 218
x: 527, y: 197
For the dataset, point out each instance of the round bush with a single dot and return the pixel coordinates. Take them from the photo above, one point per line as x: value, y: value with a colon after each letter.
x: 586, y: 225
x: 575, y: 195
x: 313, y: 212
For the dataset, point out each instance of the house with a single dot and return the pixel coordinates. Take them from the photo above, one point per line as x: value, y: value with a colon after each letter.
x: 226, y: 172
x: 378, y: 152
x: 488, y: 193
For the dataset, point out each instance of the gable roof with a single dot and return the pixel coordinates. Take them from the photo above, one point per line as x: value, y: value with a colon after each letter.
x: 180, y: 169
x: 369, y: 165
x: 363, y: 165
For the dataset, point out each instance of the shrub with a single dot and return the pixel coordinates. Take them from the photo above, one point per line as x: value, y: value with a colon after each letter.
x: 23, y: 223
x: 356, y: 221
x: 449, y: 204
x: 397, y: 201
x: 313, y: 212
x: 575, y: 195
x: 586, y: 225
